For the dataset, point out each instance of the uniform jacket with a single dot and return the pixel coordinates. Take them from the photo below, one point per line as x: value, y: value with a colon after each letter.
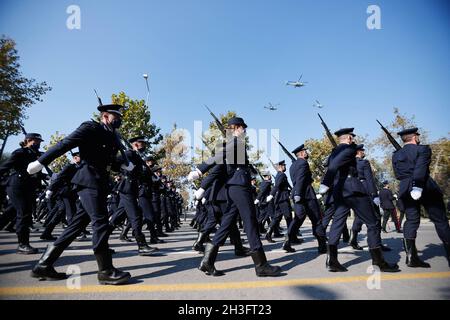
x: 302, y: 179
x: 386, y: 199
x: 411, y: 166
x: 16, y: 166
x: 264, y: 190
x: 281, y: 188
x: 61, y: 184
x: 234, y: 155
x: 98, y: 148
x: 365, y: 175
x: 341, y: 175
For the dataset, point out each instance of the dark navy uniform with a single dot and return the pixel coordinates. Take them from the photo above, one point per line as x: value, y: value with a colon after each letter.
x: 264, y: 207
x: 411, y: 168
x: 240, y: 201
x: 387, y: 204
x: 21, y: 189
x: 98, y: 146
x: 349, y: 193
x: 306, y: 204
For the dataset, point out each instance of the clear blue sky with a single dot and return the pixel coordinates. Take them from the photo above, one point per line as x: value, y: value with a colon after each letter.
x: 237, y: 55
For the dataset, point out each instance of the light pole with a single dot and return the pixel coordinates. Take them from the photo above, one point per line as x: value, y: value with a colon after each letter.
x: 148, y: 89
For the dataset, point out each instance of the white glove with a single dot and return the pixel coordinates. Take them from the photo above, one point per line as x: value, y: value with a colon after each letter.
x: 376, y: 200
x: 256, y: 201
x: 199, y: 193
x: 323, y: 189
x: 48, y: 194
x: 318, y: 196
x: 416, y: 193
x: 203, y: 201
x: 128, y: 167
x: 269, y: 198
x: 297, y: 199
x: 34, y: 167
x: 196, y: 203
x: 109, y: 196
x: 194, y: 175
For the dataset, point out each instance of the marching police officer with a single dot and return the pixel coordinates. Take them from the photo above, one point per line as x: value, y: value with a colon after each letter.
x: 98, y: 144
x: 129, y: 192
x: 264, y: 207
x: 387, y: 204
x: 411, y: 167
x: 349, y: 193
x: 62, y: 188
x: 305, y: 201
x: 282, y: 200
x: 240, y: 201
x: 21, y: 187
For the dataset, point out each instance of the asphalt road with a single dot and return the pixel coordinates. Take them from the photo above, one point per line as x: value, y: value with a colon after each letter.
x: 173, y: 274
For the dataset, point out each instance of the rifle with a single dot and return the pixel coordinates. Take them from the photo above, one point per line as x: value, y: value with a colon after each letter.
x: 285, y: 150
x: 49, y: 171
x: 327, y: 131
x: 218, y: 123
x: 392, y: 140
x: 119, y: 138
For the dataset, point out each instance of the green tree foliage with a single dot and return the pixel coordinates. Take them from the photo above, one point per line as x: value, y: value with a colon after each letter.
x: 60, y: 162
x: 136, y: 119
x: 17, y: 93
x: 174, y: 160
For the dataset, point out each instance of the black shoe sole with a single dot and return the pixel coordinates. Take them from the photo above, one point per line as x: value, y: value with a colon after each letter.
x: 46, y: 278
x: 115, y: 282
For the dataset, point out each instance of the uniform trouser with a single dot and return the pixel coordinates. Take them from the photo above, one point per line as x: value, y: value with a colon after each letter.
x: 402, y: 215
x: 22, y: 201
x: 202, y: 215
x: 363, y: 208
x: 57, y: 216
x: 156, y: 203
x: 71, y: 207
x: 129, y: 203
x: 435, y: 207
x: 327, y: 215
x: 212, y: 218
x: 283, y: 208
x: 240, y: 202
x: 91, y: 207
x: 305, y: 208
x: 357, y: 225
x: 147, y: 209
x: 393, y: 214
x: 164, y: 212
x: 8, y: 215
x: 263, y: 212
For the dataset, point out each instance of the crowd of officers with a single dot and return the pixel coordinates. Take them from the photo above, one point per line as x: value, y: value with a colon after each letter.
x: 86, y: 192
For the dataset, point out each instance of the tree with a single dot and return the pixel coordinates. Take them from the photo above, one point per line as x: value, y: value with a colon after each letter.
x: 174, y: 151
x: 319, y: 150
x: 17, y: 93
x: 136, y: 119
x: 60, y: 162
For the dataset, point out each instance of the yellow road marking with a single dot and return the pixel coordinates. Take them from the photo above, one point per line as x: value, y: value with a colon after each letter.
x: 36, y: 290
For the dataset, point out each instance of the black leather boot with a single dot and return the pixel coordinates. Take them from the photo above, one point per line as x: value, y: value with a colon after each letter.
x: 44, y: 268
x: 198, y: 244
x: 332, y: 262
x: 322, y: 247
x: 107, y: 274
x: 412, y: 258
x: 378, y: 260
x: 345, y: 235
x: 262, y: 267
x: 268, y: 235
x: 287, y: 245
x: 207, y: 263
x: 24, y: 245
x: 354, y: 241
x: 124, y: 235
x: 143, y: 248
x: 239, y: 249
